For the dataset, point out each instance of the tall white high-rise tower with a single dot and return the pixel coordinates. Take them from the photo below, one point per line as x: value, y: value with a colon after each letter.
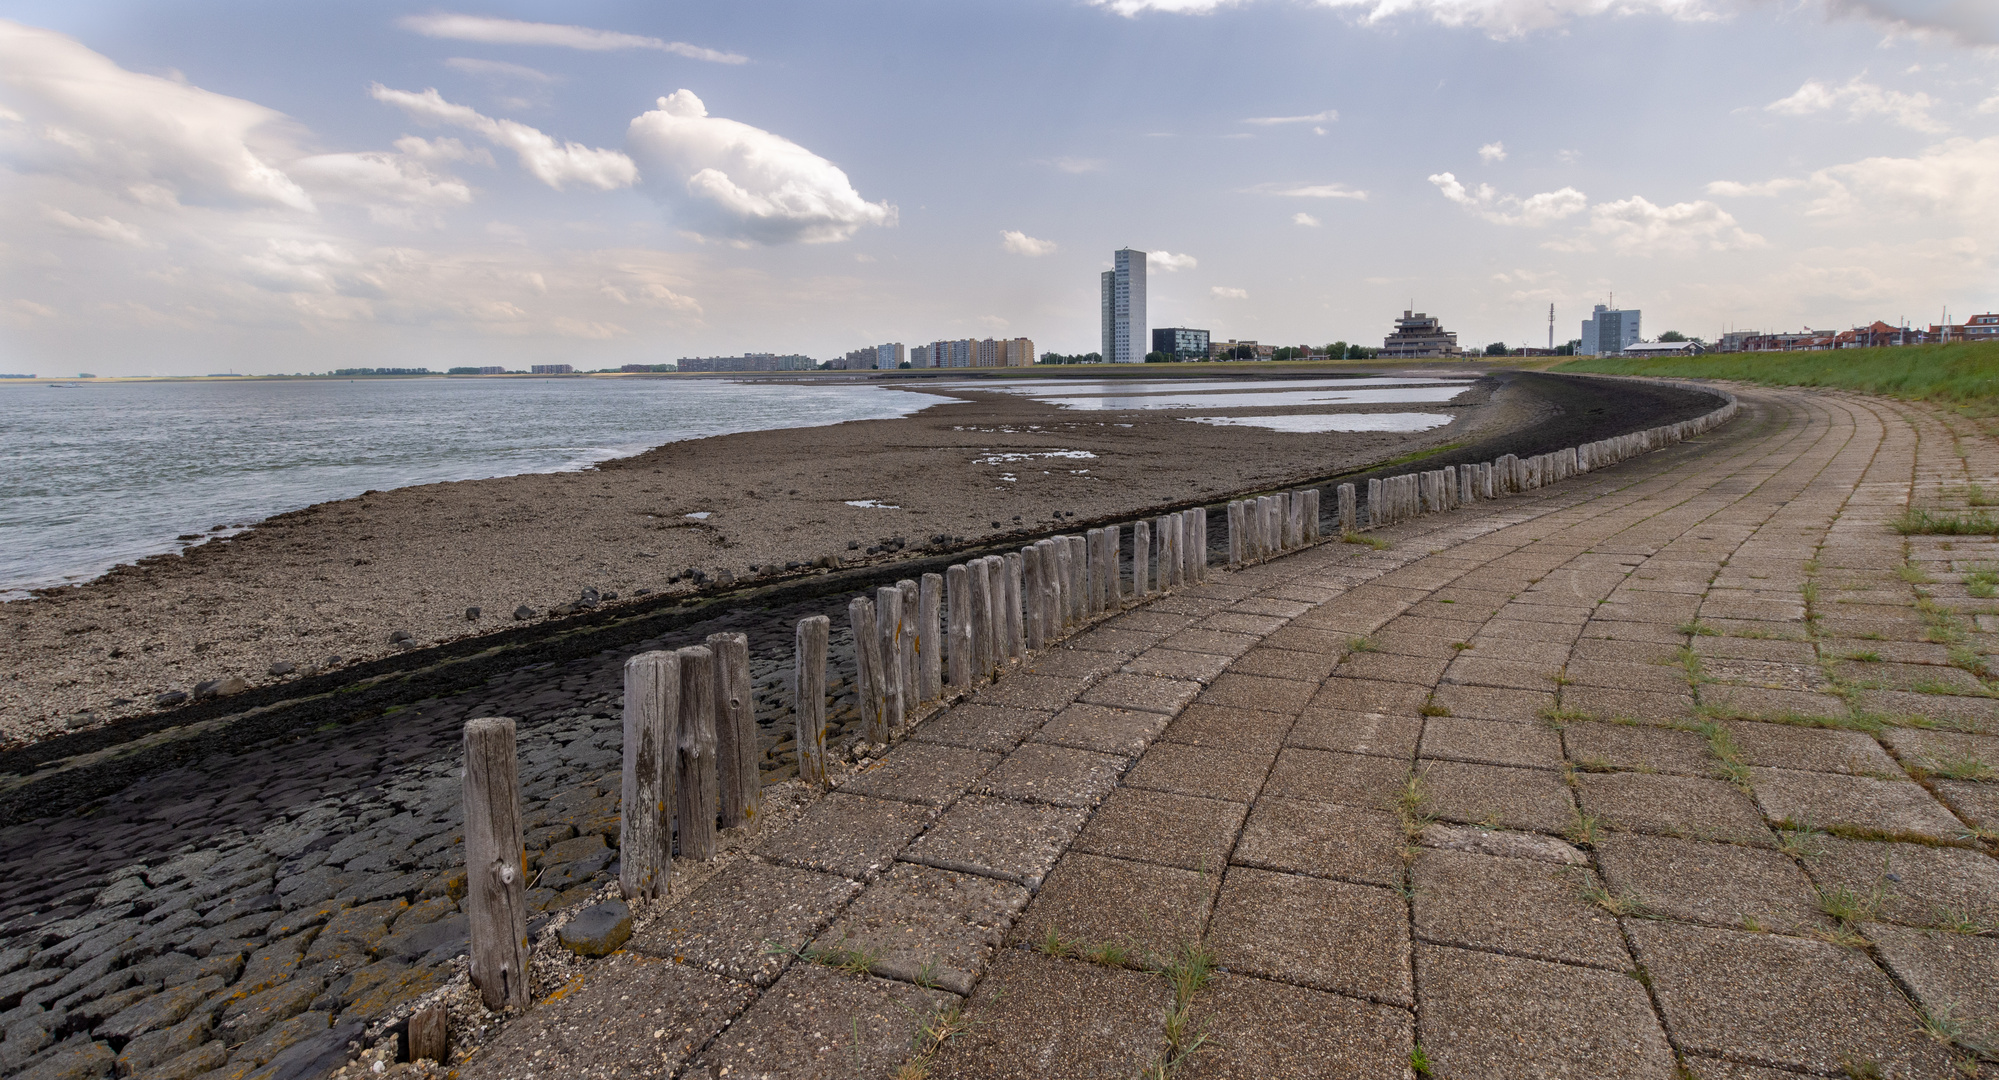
x: 1123, y: 289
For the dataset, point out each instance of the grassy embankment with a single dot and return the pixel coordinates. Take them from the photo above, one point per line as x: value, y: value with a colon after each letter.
x: 1963, y: 377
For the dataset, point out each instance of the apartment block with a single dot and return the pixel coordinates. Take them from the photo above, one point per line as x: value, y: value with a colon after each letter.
x: 1180, y: 342
x: 1123, y: 307
x: 1419, y: 336
x: 1608, y: 330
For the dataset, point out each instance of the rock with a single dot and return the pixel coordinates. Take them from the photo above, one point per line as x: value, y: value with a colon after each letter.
x: 724, y: 576
x: 226, y: 686
x: 148, y: 1050
x: 169, y: 699
x: 523, y: 613
x: 315, y: 1057
x: 610, y: 596
x: 282, y: 1037
x: 159, y: 1011
x: 597, y: 930
x: 78, y: 1059
x: 283, y: 667
x: 80, y: 721
x: 472, y: 614
x: 332, y: 661
x: 641, y: 592
x: 400, y: 636
x: 853, y: 545
x: 207, y: 1057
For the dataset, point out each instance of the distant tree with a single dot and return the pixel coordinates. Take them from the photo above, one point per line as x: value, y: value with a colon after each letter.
x: 1337, y: 350
x: 1569, y: 348
x: 1497, y: 348
x: 1244, y: 352
x: 1672, y: 335
x: 905, y: 364
x: 1158, y: 358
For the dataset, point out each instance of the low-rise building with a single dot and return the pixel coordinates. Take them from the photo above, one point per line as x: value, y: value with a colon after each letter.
x: 1608, y: 331
x: 1180, y: 342
x: 749, y: 362
x: 549, y: 369
x: 1663, y: 348
x: 1419, y: 336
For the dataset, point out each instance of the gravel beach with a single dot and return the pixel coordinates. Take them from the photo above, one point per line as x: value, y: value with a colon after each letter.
x: 343, y: 582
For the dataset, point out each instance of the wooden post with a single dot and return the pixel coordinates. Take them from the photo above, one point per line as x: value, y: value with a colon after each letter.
x: 495, y: 879
x: 645, y: 805
x: 1051, y: 591
x: 1014, y: 570
x: 1034, y: 630
x: 1190, y: 572
x: 867, y: 666
x: 1312, y: 512
x: 1234, y: 517
x: 996, y: 659
x: 1294, y: 519
x: 697, y: 753
x: 929, y: 645
x: 1141, y: 559
x: 958, y: 593
x: 1113, y: 572
x: 1095, y: 594
x: 1349, y: 509
x: 430, y: 1038
x: 1065, y: 581
x: 912, y: 690
x: 808, y: 697
x: 736, y: 750
x: 982, y: 617
x: 888, y: 677
x: 1164, y: 532
x: 1374, y: 502
x: 1079, y: 577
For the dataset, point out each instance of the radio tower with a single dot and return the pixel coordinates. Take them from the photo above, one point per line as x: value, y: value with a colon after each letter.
x: 1551, y: 328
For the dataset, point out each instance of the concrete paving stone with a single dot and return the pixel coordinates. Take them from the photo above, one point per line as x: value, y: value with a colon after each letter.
x: 1208, y: 773
x: 1156, y: 826
x: 1063, y: 663
x: 1093, y: 900
x: 1326, y: 935
x: 1493, y: 703
x: 1433, y: 628
x: 1921, y: 678
x: 1501, y: 843
x: 1356, y: 695
x: 1811, y: 749
x: 1544, y: 609
x: 1241, y: 622
x: 1633, y: 606
x: 818, y: 1024
x: 1901, y: 652
x: 1176, y: 664
x: 1472, y: 670
x: 1040, y: 772
x: 1221, y: 643
x: 1768, y: 675
x: 1955, y: 975
x: 1755, y: 702
x: 1357, y: 733
x: 1144, y: 692
x: 1975, y: 803
x: 1321, y: 640
x: 1151, y: 620
x: 1484, y: 1015
x: 1976, y: 715
x: 1242, y: 730
x: 1310, y: 595
x: 1523, y: 631
x: 1491, y: 742
x: 1285, y: 664
x: 1258, y: 1030
x: 1020, y: 690
x: 1322, y: 840
x: 1185, y: 602
x: 1511, y: 798
x: 1653, y: 678
x: 1396, y: 641
x: 1124, y: 732
x: 1460, y: 605
x: 1822, y: 800
x: 1613, y: 651
x: 925, y: 773
x: 1910, y: 883
x: 1841, y: 624
x: 1687, y: 806
x: 1728, y: 885
x: 1001, y: 838
x: 1265, y: 694
x: 928, y: 926
x: 1947, y: 753
x: 1787, y: 1001
x: 631, y: 1017
x: 1422, y: 671
x: 1283, y: 607
x: 850, y: 835
x: 1346, y: 779
x: 1605, y: 704
x: 1619, y: 630
x: 981, y: 727
x: 1638, y: 747
x: 1038, y: 1018
x: 1124, y: 644
x: 745, y: 921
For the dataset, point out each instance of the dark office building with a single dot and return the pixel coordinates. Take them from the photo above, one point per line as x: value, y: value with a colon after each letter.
x: 1180, y: 341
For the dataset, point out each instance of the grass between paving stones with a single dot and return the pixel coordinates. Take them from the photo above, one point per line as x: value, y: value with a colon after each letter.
x: 1982, y: 583
x: 931, y: 1035
x: 1917, y: 521
x: 1375, y: 542
x: 1186, y: 971
x: 1943, y: 1025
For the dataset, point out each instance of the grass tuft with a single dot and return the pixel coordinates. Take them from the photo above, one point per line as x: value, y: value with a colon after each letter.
x: 1696, y: 628
x: 1916, y: 521
x: 1363, y: 539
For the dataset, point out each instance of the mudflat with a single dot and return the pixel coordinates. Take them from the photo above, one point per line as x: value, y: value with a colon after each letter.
x: 333, y: 584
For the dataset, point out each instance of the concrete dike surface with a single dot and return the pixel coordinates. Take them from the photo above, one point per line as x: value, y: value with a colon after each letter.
x: 1683, y: 763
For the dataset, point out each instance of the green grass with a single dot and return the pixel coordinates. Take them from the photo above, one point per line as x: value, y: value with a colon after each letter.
x: 1917, y: 521
x: 1964, y: 375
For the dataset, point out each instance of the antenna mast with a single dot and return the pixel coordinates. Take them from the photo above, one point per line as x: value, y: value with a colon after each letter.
x: 1551, y: 328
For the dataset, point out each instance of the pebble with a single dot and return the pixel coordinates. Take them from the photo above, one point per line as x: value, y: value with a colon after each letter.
x: 283, y: 667
x: 597, y: 930
x: 472, y: 614
x: 523, y: 613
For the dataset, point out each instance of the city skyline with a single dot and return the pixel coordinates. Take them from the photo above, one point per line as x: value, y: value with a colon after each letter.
x: 212, y: 187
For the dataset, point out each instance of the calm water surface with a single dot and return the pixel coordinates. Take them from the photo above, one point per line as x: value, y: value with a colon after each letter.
x: 101, y: 474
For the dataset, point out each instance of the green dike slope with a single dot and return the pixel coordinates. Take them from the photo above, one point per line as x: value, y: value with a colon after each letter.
x: 1964, y: 376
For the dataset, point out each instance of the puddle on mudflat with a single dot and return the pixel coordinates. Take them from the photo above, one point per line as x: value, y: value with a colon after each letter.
x: 1305, y: 425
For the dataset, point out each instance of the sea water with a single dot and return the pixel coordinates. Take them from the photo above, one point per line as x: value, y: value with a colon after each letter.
x: 105, y: 473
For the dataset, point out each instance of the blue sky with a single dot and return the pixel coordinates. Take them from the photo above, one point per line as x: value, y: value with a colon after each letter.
x: 203, y: 187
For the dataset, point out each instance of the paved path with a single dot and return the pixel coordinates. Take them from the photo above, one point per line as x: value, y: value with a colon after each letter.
x: 1686, y: 765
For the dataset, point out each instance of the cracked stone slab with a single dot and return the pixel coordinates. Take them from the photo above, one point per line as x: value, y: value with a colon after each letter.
x: 1915, y: 884
x: 1504, y: 843
x: 1090, y: 900
x: 1328, y: 935
x: 1723, y: 885
x: 1673, y: 806
x: 1035, y: 1017
x: 1322, y: 840
x: 1485, y: 1015
x: 1533, y: 799
x: 1521, y: 907
x: 928, y: 926
x: 1812, y: 749
x: 746, y: 921
x: 1886, y: 807
x: 1955, y: 975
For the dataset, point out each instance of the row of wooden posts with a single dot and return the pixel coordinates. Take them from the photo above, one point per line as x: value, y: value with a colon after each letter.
x: 690, y: 733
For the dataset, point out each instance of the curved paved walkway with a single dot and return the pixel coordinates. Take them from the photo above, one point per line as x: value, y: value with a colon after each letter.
x: 1682, y: 765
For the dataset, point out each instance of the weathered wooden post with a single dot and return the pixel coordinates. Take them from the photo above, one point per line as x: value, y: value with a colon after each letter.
x: 1165, y: 532
x: 697, y: 753
x: 888, y: 677
x: 1113, y: 572
x: 1201, y: 541
x: 1051, y: 590
x: 429, y: 1035
x: 1349, y: 511
x: 1374, y: 502
x: 912, y: 689
x: 495, y: 879
x: 929, y: 644
x: 996, y: 613
x: 1014, y: 568
x: 1190, y: 549
x: 736, y: 750
x: 1065, y: 587
x: 1034, y: 628
x: 958, y: 590
x: 982, y: 617
x: 1294, y: 519
x: 1079, y: 577
x: 867, y: 667
x: 1141, y: 559
x: 1234, y: 517
x: 808, y: 697
x: 646, y: 802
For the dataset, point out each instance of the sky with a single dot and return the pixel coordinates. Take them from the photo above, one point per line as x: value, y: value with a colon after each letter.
x: 202, y: 187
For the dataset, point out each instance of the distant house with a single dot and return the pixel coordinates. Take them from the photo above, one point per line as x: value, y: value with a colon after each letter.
x: 1664, y: 348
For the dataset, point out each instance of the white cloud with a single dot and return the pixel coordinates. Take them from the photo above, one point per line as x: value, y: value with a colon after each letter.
x: 1970, y: 22
x: 1636, y: 226
x: 1224, y: 292
x: 552, y: 164
x: 1308, y: 191
x: 1861, y: 99
x: 491, y: 31
x: 1989, y: 105
x: 40, y: 311
x: 102, y: 228
x: 1533, y: 211
x: 1955, y: 180
x: 1016, y: 242
x: 1078, y: 165
x: 755, y: 185
x: 116, y: 128
x: 498, y: 69
x: 388, y: 184
x: 1305, y: 219
x: 1491, y: 152
x: 1168, y: 262
x: 1131, y: 8
x: 1326, y: 117
x: 438, y: 151
x: 1730, y: 189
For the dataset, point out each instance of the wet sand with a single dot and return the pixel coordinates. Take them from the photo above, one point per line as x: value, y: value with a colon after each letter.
x: 341, y: 579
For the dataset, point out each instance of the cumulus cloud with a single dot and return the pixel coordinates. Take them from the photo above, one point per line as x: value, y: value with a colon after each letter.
x: 1305, y: 219
x: 101, y: 228
x: 1016, y: 242
x: 1492, y: 152
x: 1309, y: 191
x: 491, y: 31
x: 115, y: 127
x: 1969, y: 22
x: 1326, y: 117
x: 390, y: 185
x: 1224, y: 292
x: 1168, y: 262
x: 1533, y: 211
x: 1730, y: 189
x: 1859, y: 100
x: 1636, y: 226
x: 552, y: 163
x: 1955, y: 180
x: 753, y: 185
